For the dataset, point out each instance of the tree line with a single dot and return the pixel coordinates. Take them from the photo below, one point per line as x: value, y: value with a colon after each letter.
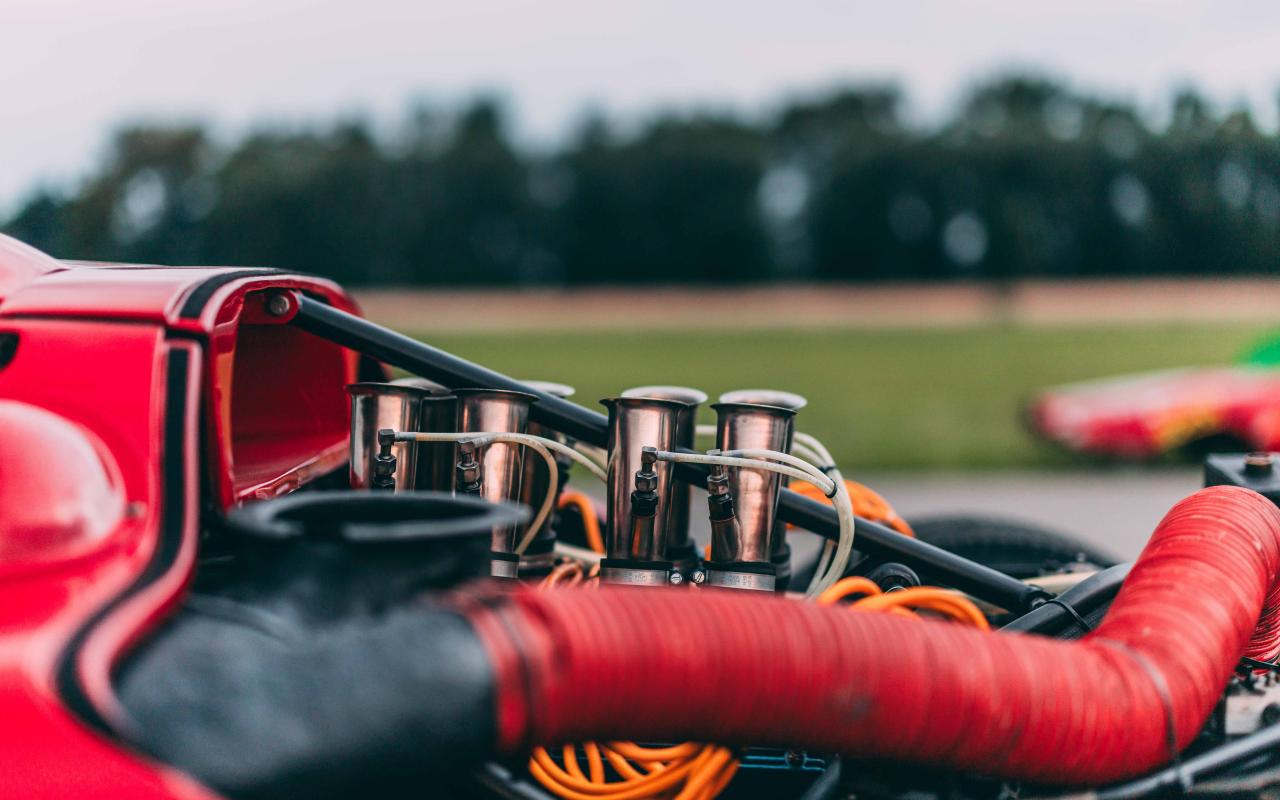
x: 1025, y: 178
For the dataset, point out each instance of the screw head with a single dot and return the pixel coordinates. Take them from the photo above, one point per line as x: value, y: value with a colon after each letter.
x: 278, y: 305
x: 699, y: 577
x: 675, y: 579
x: 1258, y: 463
x: 1271, y: 714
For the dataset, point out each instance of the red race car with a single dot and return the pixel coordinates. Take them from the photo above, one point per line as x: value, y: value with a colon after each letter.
x: 236, y: 560
x: 1144, y: 416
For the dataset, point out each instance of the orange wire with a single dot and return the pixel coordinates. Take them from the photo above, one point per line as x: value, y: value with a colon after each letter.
x: 704, y: 775
x: 726, y: 776
x: 941, y: 601
x: 569, y: 573
x: 569, y: 755
x: 622, y: 766
x: 590, y: 522
x: 549, y: 774
x: 845, y: 587
x: 595, y: 764
x: 867, y: 503
x: 637, y: 753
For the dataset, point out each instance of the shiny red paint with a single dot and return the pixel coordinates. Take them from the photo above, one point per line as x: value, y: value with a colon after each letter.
x: 21, y: 264
x: 83, y: 501
x: 1143, y: 416
x: 260, y: 409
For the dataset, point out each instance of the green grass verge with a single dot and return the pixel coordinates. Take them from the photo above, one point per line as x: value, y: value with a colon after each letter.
x: 881, y: 399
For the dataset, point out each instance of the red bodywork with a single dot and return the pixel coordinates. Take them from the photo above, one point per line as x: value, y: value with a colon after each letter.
x: 1148, y: 415
x: 135, y: 395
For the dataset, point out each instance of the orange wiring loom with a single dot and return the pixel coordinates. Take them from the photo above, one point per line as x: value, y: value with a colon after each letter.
x: 942, y: 602
x: 692, y: 771
x: 867, y: 503
x: 686, y: 771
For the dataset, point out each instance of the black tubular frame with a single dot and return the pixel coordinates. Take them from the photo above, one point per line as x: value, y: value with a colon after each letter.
x: 368, y: 338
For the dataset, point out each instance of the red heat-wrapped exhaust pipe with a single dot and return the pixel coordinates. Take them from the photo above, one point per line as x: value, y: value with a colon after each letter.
x: 668, y: 665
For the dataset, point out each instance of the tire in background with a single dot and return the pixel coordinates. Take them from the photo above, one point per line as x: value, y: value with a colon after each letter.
x: 1013, y: 547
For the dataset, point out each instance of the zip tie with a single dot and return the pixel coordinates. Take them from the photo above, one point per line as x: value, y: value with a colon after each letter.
x: 1075, y: 615
x: 1185, y: 780
x: 1247, y: 663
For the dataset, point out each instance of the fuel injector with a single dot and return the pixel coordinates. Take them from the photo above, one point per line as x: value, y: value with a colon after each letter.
x: 644, y: 500
x: 724, y: 523
x: 467, y: 471
x: 385, y: 463
x: 726, y: 538
x: 642, y: 530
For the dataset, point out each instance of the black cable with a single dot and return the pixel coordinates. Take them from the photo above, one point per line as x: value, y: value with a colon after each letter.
x: 498, y: 780
x: 827, y: 784
x: 1182, y: 777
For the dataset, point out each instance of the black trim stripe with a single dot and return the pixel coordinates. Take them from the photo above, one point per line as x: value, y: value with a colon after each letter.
x: 173, y: 513
x: 199, y: 298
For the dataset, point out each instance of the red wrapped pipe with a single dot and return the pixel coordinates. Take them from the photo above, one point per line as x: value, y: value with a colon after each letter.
x: 707, y: 665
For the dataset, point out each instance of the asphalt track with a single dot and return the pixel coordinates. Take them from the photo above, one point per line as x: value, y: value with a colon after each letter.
x: 1115, y: 509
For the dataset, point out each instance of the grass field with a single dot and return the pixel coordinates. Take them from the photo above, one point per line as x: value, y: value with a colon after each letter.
x: 880, y: 399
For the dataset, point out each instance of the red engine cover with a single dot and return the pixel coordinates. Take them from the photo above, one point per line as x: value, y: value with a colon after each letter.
x: 121, y: 380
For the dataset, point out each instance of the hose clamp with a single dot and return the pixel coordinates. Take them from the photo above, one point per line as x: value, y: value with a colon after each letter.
x: 504, y: 565
x: 635, y: 572
x: 732, y: 579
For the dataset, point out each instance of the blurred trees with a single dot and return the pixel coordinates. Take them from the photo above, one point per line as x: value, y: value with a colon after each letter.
x: 1027, y: 178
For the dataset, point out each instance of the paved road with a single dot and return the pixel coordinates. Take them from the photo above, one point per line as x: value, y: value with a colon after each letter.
x: 1114, y: 509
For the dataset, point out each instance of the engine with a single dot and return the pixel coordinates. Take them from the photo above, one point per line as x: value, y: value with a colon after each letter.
x: 242, y: 559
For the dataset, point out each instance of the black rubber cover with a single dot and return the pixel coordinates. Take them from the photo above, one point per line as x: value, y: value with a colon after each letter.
x: 319, y: 557
x: 1011, y: 546
x: 377, y: 708
x: 312, y: 664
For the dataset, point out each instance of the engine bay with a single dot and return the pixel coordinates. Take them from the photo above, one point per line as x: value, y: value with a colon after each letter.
x: 257, y: 546
x: 503, y: 593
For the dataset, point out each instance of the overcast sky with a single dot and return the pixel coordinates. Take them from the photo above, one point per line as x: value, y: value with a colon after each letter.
x: 72, y: 69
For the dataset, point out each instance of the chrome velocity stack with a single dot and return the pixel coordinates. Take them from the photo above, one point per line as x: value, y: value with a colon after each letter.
x: 751, y: 419
x: 681, y: 550
x: 500, y: 464
x: 781, y: 549
x: 430, y: 387
x: 437, y: 413
x: 636, y: 538
x: 375, y: 406
x: 535, y: 483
